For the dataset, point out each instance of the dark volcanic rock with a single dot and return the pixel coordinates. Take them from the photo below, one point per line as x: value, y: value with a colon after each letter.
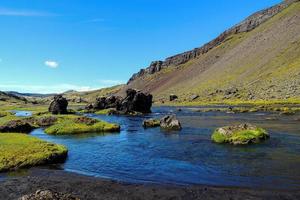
x: 170, y: 122
x: 16, y: 126
x: 47, y: 195
x: 173, y: 97
x: 106, y: 102
x: 58, y: 105
x: 136, y: 101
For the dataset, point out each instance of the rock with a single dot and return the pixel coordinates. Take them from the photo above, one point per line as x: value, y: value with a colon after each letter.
x: 173, y: 97
x: 58, y: 105
x: 170, y: 122
x: 150, y: 123
x: 136, y: 101
x: 239, y: 134
x: 105, y: 103
x: 16, y: 126
x: 194, y: 97
x: 48, y: 195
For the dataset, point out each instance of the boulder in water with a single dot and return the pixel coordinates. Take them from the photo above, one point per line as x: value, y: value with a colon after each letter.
x: 240, y: 134
x: 170, y: 122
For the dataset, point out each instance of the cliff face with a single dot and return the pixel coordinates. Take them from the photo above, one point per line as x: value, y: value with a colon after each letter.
x: 247, y: 25
x: 258, y: 59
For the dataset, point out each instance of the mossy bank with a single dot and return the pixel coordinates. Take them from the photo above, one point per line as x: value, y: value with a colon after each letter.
x: 21, y: 151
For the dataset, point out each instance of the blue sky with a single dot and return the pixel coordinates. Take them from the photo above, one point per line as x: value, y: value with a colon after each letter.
x: 57, y: 45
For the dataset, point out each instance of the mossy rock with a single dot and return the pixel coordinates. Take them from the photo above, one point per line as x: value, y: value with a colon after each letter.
x: 21, y: 151
x: 239, y: 135
x: 151, y: 123
x: 72, y: 124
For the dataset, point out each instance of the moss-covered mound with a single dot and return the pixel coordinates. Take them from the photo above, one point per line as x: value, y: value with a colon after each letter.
x: 20, y: 151
x: 151, y: 123
x: 240, y: 134
x: 72, y: 124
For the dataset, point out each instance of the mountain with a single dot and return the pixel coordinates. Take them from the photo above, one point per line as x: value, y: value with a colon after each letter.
x: 11, y: 98
x: 257, y: 59
x: 28, y: 94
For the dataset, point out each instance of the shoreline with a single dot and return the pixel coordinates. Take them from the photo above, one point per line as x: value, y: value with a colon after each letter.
x: 93, y: 188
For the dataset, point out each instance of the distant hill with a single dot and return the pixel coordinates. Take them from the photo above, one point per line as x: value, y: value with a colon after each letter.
x: 258, y: 59
x: 29, y: 94
x: 11, y: 98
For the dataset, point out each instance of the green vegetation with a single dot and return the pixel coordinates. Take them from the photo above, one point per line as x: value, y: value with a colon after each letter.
x: 239, y: 136
x: 72, y: 124
x: 150, y: 123
x: 20, y: 150
x: 104, y: 111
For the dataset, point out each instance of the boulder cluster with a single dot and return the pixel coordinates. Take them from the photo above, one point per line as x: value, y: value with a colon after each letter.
x: 135, y: 101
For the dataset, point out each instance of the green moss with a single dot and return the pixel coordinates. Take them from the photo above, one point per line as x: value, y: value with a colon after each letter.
x: 104, y: 111
x: 150, y: 123
x: 68, y: 125
x: 20, y: 150
x: 240, y: 137
x: 4, y: 113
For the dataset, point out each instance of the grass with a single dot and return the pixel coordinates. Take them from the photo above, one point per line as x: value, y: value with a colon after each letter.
x: 69, y: 125
x: 240, y: 137
x: 20, y: 151
x: 104, y: 111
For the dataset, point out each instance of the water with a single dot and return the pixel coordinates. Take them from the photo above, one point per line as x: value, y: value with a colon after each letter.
x: 20, y: 113
x: 139, y: 155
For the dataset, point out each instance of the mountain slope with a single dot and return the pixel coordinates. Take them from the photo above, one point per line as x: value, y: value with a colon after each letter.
x: 256, y: 59
x: 11, y: 98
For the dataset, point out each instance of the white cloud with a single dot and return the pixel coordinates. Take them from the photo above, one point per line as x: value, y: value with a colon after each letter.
x: 51, y: 64
x: 111, y: 82
x: 45, y: 89
x: 23, y: 13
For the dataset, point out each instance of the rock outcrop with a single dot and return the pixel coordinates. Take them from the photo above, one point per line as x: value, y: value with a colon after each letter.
x: 107, y: 102
x: 170, y: 122
x: 247, y: 25
x: 136, y: 101
x: 59, y: 105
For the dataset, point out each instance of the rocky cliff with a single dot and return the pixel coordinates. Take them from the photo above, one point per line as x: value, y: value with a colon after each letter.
x: 257, y: 59
x: 247, y: 25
